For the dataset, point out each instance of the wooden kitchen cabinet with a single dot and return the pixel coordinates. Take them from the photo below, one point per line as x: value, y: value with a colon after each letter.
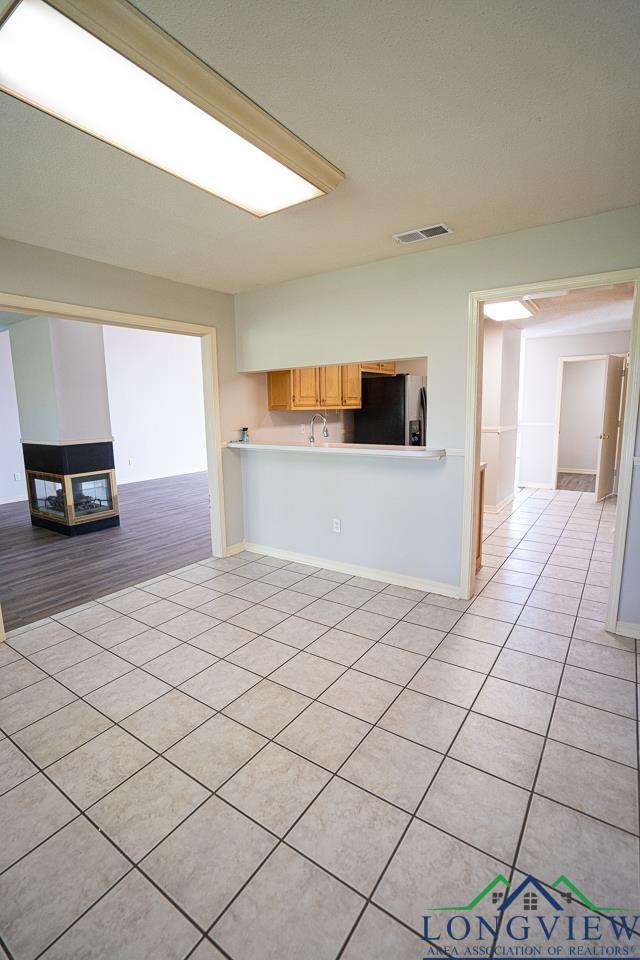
x: 279, y: 389
x: 351, y: 385
x: 380, y: 366
x: 330, y: 386
x: 305, y: 387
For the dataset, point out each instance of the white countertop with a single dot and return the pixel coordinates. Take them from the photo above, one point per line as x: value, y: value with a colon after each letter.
x: 344, y: 449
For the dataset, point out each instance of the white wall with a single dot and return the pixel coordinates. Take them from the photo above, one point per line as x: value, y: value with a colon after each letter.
x: 580, y: 415
x: 156, y: 402
x: 629, y: 606
x: 540, y: 396
x: 418, y: 304
x: 11, y: 462
x: 500, y: 378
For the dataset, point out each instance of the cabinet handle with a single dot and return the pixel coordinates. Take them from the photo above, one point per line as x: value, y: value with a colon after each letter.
x: 603, y: 436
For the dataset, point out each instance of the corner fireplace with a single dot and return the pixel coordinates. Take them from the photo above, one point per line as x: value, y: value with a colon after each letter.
x: 72, y: 487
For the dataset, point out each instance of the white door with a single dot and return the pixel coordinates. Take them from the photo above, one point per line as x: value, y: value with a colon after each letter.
x: 605, y: 471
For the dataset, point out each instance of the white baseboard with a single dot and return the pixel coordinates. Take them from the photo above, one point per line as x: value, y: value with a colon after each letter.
x: 372, y: 573
x: 19, y: 499
x: 537, y: 484
x: 499, y: 506
x: 589, y: 473
x: 631, y: 630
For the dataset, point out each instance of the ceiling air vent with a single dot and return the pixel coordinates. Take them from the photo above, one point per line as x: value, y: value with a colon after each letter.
x: 423, y: 233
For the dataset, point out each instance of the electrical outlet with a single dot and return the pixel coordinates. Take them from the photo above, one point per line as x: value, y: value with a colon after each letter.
x: 130, y: 461
x: 337, y: 526
x: 303, y: 428
x: 17, y: 475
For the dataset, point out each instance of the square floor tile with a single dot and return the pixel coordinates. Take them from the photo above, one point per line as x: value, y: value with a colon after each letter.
x: 530, y: 671
x: 291, y: 908
x: 206, y: 860
x: 222, y: 640
x: 350, y: 595
x: 593, y: 730
x: 262, y: 655
x: 297, y: 632
x: 506, y: 591
x: 127, y: 694
x: 189, y: 625
x: 424, y: 720
x: 144, y: 647
x: 259, y: 618
x: 8, y: 654
x: 218, y: 685
x: 390, y: 663
x: 133, y: 913
x: 498, y: 748
x: 414, y: 638
x: 166, y: 720
x: 288, y: 601
x: 267, y: 707
x: 180, y: 664
x: 455, y: 874
x: 275, y: 787
x: 256, y: 591
x: 282, y: 578
x: 389, y: 606
x: 115, y: 631
x: 595, y: 633
x: 465, y: 802
x: 481, y: 628
x: 226, y: 607
x: 157, y: 613
x: 195, y: 596
x: 165, y: 586
x: 596, y: 857
x: 609, y: 660
x: 98, y: 766
x: 130, y: 600
x: 95, y: 672
x: 538, y: 643
x: 350, y: 832
x: 448, y: 682
x: 29, y: 814
x: 464, y: 652
x: 393, y: 768
x: 378, y: 937
x: 46, y: 891
x: 325, y: 611
x: 599, y: 690
x: 215, y: 750
x: 513, y: 703
x: 146, y: 807
x: 547, y: 620
x: 33, y: 703
x: 557, y: 602
x: 56, y: 658
x: 406, y: 593
x: 14, y: 766
x: 17, y: 675
x: 360, y: 695
x: 495, y: 609
x: 592, y: 785
x: 428, y: 615
x: 324, y: 735
x: 89, y: 617
x: 314, y: 586
x: 52, y: 737
x: 37, y: 638
x: 341, y: 647
x: 308, y: 674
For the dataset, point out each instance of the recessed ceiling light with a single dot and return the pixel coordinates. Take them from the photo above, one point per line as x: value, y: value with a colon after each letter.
x: 106, y: 69
x: 507, y: 310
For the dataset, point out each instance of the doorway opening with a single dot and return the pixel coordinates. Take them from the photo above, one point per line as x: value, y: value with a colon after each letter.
x: 552, y: 405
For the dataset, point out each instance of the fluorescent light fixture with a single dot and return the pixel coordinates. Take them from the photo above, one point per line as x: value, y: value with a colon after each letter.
x: 507, y: 310
x: 101, y: 66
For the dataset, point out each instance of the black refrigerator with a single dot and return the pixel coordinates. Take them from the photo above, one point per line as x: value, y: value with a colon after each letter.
x: 394, y: 411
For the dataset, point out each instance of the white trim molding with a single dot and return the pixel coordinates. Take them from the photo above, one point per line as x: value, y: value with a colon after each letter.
x: 581, y: 470
x: 631, y: 630
x: 371, y: 573
x: 487, y: 508
x: 499, y: 430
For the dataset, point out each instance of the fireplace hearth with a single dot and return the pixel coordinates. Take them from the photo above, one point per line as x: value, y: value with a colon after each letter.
x: 72, y: 487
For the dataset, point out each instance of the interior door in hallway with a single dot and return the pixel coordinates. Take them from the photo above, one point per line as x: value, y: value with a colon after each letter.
x: 605, y: 473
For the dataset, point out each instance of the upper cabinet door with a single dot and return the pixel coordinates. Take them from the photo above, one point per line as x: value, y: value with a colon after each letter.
x: 351, y: 385
x: 305, y: 387
x: 330, y: 386
x: 279, y: 382
x: 387, y: 366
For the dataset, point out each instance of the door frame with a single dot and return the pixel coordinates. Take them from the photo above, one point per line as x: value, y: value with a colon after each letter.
x: 556, y: 435
x: 473, y: 419
x: 210, y: 384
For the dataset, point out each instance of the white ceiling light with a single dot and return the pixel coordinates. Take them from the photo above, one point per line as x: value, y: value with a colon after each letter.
x: 101, y: 66
x: 507, y: 310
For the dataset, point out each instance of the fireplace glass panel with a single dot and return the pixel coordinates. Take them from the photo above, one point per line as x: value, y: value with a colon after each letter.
x: 92, y: 495
x: 47, y: 496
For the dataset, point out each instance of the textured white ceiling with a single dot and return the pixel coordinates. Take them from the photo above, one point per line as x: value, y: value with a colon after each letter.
x: 488, y: 115
x: 593, y: 310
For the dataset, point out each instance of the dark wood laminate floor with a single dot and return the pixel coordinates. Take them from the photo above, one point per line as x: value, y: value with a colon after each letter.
x: 164, y: 525
x: 582, y: 482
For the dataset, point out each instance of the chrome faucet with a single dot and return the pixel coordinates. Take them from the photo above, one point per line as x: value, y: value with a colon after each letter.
x: 325, y: 428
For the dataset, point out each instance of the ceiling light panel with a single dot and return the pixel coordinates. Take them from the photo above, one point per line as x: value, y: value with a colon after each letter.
x: 507, y: 310
x: 52, y: 63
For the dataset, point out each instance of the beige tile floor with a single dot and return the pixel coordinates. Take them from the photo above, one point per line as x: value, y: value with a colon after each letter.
x: 250, y: 758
